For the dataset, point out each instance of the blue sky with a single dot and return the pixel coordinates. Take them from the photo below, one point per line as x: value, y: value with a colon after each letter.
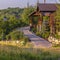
x: 21, y: 3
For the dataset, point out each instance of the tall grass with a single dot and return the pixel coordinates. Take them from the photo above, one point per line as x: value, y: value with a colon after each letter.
x: 16, y: 53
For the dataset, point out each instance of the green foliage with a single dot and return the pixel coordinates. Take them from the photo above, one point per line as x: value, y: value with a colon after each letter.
x: 57, y: 12
x: 33, y: 30
x: 1, y: 37
x: 13, y: 18
x: 57, y: 36
x: 57, y: 18
x: 15, y: 35
x: 24, y: 40
x: 46, y: 18
x: 7, y: 53
x: 10, y: 19
x: 57, y: 26
x: 35, y: 19
x: 26, y: 13
x: 45, y: 34
x: 39, y: 34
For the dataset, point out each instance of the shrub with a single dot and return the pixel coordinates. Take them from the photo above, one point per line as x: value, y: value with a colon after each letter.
x: 15, y: 35
x: 8, y: 37
x: 45, y: 35
x: 24, y: 40
x: 57, y: 36
x: 0, y: 38
x: 38, y: 34
x: 34, y: 30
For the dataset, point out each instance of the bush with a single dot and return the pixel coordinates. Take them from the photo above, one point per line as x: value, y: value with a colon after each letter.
x: 34, y: 30
x: 45, y: 35
x: 57, y: 36
x: 15, y: 35
x: 8, y: 37
x: 0, y: 38
x: 24, y: 40
x: 38, y: 34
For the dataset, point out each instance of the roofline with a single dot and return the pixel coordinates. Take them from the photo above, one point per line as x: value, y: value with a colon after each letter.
x: 49, y: 3
x: 43, y: 11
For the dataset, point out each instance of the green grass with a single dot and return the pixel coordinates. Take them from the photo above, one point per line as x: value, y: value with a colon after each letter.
x: 17, y: 53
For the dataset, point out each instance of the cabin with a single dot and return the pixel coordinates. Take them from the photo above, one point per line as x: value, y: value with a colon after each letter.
x: 43, y: 17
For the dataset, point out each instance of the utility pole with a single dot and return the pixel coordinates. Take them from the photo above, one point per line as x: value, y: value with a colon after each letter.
x: 28, y: 5
x: 44, y: 1
x: 37, y: 1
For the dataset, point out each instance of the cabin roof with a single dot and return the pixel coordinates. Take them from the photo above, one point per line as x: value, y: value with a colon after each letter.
x: 45, y: 8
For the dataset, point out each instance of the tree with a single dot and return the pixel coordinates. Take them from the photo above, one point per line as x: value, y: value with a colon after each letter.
x: 26, y: 13
x: 9, y: 20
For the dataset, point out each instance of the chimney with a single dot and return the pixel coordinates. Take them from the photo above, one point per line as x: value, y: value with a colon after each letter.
x: 37, y: 5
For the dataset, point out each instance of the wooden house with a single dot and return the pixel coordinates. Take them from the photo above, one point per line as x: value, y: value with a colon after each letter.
x: 37, y: 16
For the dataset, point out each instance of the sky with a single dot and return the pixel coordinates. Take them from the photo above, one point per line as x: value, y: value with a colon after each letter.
x: 22, y: 3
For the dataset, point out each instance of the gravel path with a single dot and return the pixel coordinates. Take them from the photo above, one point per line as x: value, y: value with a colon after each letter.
x: 36, y: 40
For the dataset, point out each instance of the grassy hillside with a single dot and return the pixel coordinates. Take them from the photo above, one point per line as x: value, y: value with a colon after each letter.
x: 15, y: 53
x: 12, y: 18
